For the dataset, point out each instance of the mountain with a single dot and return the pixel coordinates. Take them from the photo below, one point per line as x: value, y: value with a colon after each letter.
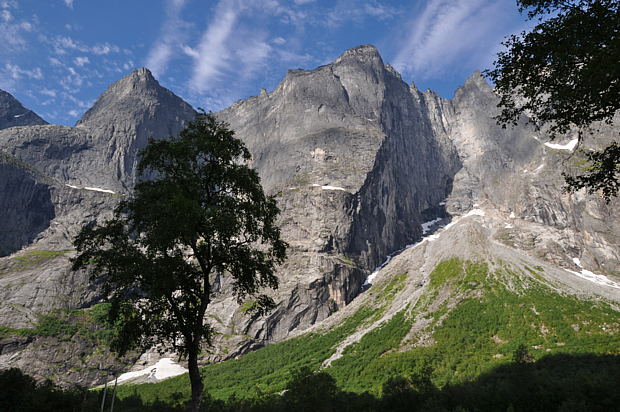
x: 13, y: 113
x: 362, y: 166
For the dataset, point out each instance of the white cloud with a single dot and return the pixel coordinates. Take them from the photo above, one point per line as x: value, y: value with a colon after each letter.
x: 300, y: 2
x: 279, y: 40
x: 81, y: 104
x: 295, y: 59
x: 73, y: 81
x: 50, y: 93
x: 11, y: 32
x: 16, y: 72
x: 351, y: 10
x: 63, y: 44
x: 171, y: 38
x: 73, y: 113
x: 128, y: 66
x: 451, y: 33
x: 190, y: 52
x: 213, y: 51
x: 6, y: 4
x: 81, y: 61
x: 55, y: 62
x: 69, y: 4
x: 287, y: 14
x: 105, y: 49
x: 379, y: 11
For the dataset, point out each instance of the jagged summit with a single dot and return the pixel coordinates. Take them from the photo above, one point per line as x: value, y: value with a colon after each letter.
x: 477, y: 80
x: 136, y: 94
x: 13, y: 113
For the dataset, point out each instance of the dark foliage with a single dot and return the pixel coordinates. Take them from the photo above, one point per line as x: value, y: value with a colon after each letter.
x: 553, y: 383
x: 566, y: 68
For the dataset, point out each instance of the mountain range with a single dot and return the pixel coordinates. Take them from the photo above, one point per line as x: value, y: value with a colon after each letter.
x: 395, y: 203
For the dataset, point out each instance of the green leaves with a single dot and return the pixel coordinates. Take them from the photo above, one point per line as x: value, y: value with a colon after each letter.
x: 564, y: 73
x: 565, y: 67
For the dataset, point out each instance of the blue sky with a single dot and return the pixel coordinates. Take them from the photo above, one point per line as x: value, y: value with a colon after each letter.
x: 58, y: 56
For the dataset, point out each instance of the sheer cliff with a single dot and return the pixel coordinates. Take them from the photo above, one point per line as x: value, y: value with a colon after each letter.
x: 362, y: 165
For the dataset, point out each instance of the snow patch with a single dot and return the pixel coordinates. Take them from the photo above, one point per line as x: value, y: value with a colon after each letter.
x: 577, y: 261
x: 538, y: 169
x: 163, y: 369
x: 512, y: 215
x: 18, y: 115
x: 333, y: 188
x: 370, y: 278
x: 568, y: 146
x: 449, y: 225
x: 475, y: 212
x: 73, y: 187
x: 594, y: 278
x: 427, y: 225
x: 96, y: 189
x: 442, y: 203
x: 508, y: 226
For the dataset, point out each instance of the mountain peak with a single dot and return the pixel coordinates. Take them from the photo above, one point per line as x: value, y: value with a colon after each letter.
x: 13, y: 113
x: 360, y: 53
x: 478, y: 80
x: 134, y: 93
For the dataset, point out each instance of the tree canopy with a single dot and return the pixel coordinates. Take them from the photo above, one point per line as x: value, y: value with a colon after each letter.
x: 203, y: 216
x: 566, y: 69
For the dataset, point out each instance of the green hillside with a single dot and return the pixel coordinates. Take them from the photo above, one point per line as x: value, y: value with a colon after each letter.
x: 472, y: 322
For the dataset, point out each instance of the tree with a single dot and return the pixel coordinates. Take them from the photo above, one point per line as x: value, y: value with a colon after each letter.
x: 309, y: 391
x: 566, y: 69
x: 203, y: 216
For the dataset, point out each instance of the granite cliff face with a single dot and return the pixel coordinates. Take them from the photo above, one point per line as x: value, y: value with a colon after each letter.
x: 362, y: 165
x: 100, y: 151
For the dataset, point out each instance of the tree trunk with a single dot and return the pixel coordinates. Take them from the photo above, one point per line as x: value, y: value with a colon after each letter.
x: 195, y: 381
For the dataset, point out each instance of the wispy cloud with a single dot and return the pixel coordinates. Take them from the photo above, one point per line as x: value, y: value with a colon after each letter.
x: 105, y: 48
x: 63, y: 45
x: 69, y: 4
x: 357, y: 11
x: 451, y: 33
x: 17, y: 73
x: 81, y: 61
x: 8, y: 4
x: 11, y: 31
x: 73, y: 81
x: 172, y: 36
x: 213, y: 53
x: 45, y: 91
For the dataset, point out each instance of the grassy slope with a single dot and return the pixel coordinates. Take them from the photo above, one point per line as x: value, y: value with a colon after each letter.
x: 488, y: 313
